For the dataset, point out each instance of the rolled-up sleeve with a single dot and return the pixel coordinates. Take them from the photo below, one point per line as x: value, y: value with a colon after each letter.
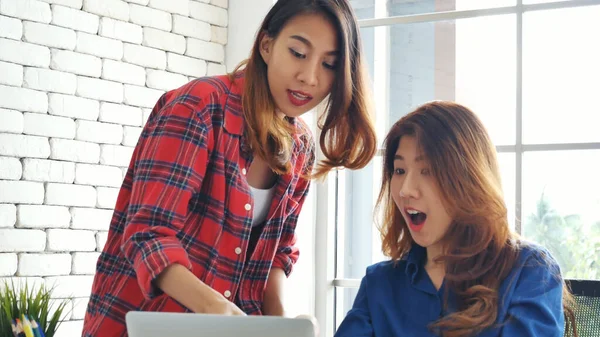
x: 169, y: 165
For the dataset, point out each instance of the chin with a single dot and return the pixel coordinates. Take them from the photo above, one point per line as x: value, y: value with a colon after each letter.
x: 293, y: 113
x: 421, y: 241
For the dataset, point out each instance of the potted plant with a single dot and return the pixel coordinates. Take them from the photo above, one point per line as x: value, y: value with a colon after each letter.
x: 37, y: 305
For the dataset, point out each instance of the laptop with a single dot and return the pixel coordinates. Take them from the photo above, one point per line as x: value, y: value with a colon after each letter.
x: 161, y: 324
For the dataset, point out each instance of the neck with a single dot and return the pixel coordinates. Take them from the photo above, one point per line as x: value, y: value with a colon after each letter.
x: 279, y: 114
x: 433, y: 252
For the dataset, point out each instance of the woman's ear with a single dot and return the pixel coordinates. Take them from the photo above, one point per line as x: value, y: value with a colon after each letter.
x: 266, y: 47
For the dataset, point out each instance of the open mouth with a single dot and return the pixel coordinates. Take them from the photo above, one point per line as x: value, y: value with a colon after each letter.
x: 417, y: 218
x: 298, y: 98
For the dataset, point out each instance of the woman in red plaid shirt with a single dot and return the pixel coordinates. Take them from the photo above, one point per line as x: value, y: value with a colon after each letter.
x: 205, y: 218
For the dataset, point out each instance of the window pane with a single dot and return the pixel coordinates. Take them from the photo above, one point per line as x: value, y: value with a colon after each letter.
x: 527, y: 2
x: 561, y: 208
x: 358, y: 233
x: 471, y: 61
x: 365, y: 9
x: 344, y: 300
x: 560, y: 76
x: 509, y: 182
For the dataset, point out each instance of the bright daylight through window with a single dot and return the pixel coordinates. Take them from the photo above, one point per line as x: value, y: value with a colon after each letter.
x: 531, y: 72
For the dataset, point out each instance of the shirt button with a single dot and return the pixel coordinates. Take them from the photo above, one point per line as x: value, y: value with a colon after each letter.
x: 244, y: 171
x: 247, y: 207
x: 238, y: 250
x: 227, y: 293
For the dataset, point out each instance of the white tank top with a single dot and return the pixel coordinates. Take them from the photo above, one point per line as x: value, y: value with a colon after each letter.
x: 262, y: 203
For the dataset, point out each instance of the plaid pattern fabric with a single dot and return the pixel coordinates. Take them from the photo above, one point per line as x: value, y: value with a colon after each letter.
x: 185, y: 199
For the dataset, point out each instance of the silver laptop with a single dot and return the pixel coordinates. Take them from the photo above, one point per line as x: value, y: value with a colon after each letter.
x: 164, y: 324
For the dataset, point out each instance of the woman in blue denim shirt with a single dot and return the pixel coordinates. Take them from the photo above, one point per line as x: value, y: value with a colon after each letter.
x: 456, y: 268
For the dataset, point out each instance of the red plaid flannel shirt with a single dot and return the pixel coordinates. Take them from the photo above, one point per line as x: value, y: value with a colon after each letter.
x: 185, y: 199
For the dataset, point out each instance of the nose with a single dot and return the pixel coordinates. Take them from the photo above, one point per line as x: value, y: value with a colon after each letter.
x: 410, y: 188
x: 309, y: 73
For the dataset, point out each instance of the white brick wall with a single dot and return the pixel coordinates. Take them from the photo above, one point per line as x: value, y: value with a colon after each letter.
x: 10, y: 28
x: 186, y: 65
x: 49, y: 126
x: 42, y: 216
x: 11, y: 121
x: 70, y: 195
x: 113, y: 155
x: 78, y: 81
x: 91, y: 218
x: 98, y: 175
x: 49, y: 80
x: 48, y: 35
x: 219, y: 35
x: 99, y: 46
x: 191, y: 28
x: 31, y: 10
x: 209, y: 51
x: 72, y: 106
x: 107, y: 197
x: 97, y: 132
x: 209, y: 13
x: 163, y: 80
x: 8, y: 264
x: 84, y: 263
x: 120, y: 114
x: 22, y: 240
x: 69, y: 3
x: 71, y: 240
x: 75, y: 19
x: 172, y: 6
x: 164, y: 41
x: 44, y: 264
x: 141, y: 96
x: 10, y: 168
x: 8, y: 215
x: 12, y: 74
x: 100, y: 89
x: 24, y: 53
x: 144, y: 56
x: 115, y: 9
x: 149, y: 17
x: 131, y: 135
x: 23, y: 99
x: 73, y: 150
x: 76, y: 63
x: 24, y: 146
x: 48, y: 170
x: 119, y: 30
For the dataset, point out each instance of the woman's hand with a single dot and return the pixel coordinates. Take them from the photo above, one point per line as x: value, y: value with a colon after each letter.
x: 182, y: 285
x: 222, y: 306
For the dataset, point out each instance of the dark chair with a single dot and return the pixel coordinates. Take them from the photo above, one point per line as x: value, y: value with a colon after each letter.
x: 587, y: 307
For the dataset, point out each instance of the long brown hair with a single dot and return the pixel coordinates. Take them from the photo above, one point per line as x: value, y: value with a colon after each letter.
x: 348, y: 136
x: 480, y: 249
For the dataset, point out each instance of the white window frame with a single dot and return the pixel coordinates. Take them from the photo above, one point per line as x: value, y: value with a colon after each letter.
x: 328, y: 212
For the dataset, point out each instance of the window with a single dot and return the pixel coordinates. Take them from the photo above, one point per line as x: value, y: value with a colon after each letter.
x: 530, y: 70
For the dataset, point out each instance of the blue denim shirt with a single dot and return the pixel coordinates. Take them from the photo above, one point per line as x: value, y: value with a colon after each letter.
x: 400, y: 299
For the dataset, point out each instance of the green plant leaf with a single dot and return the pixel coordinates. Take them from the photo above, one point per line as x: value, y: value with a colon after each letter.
x: 35, y: 304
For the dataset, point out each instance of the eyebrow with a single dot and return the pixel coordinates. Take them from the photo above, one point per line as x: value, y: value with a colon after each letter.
x: 308, y: 43
x: 399, y: 157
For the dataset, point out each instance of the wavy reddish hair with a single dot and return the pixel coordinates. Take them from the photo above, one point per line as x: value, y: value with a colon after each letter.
x: 480, y: 249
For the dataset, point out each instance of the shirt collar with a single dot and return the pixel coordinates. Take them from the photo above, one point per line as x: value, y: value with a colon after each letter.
x: 415, y: 261
x: 233, y: 115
